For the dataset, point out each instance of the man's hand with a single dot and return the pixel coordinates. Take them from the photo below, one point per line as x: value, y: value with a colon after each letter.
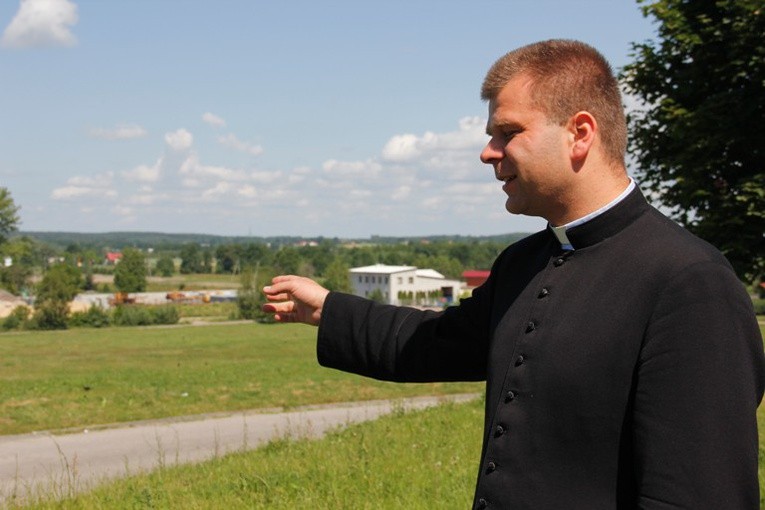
x: 295, y: 299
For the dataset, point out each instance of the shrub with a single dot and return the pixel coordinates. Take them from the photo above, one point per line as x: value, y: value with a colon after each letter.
x: 131, y: 315
x: 94, y: 317
x: 759, y: 306
x: 17, y: 318
x: 50, y: 315
x: 137, y: 315
x: 165, y: 314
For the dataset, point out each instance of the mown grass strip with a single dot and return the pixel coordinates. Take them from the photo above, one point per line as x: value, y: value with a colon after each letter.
x: 84, y: 377
x: 426, y: 459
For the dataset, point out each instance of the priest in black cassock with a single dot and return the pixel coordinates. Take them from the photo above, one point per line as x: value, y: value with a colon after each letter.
x: 622, y: 357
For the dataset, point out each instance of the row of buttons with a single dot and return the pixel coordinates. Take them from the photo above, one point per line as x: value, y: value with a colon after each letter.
x: 500, y: 430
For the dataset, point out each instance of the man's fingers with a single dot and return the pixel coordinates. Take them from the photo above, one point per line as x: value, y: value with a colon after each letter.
x: 278, y: 297
x: 282, y: 307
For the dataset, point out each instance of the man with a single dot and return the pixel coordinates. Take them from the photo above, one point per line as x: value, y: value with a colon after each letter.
x: 622, y: 358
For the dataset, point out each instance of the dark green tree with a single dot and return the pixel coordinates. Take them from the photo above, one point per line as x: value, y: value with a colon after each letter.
x: 59, y: 283
x: 130, y: 272
x: 24, y: 255
x: 165, y: 266
x: 191, y: 259
x: 207, y: 261
x: 698, y: 141
x: 227, y: 258
x: 9, y: 214
x: 287, y: 260
x: 58, y: 287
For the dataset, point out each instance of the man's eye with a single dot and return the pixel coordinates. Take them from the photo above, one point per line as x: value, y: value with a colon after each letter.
x: 509, y: 135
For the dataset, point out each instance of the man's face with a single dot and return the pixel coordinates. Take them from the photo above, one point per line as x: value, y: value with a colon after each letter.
x: 528, y: 152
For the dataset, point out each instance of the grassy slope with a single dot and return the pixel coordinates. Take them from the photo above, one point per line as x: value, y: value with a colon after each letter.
x: 398, y: 461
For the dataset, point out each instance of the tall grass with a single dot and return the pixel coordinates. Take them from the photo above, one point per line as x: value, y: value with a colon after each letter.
x: 419, y: 460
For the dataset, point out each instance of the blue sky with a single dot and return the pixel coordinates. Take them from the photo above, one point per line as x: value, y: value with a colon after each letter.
x: 304, y: 118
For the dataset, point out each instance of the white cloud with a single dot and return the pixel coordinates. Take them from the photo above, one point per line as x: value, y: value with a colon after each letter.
x: 144, y: 173
x: 121, y: 210
x: 98, y: 186
x: 264, y: 177
x: 213, y: 120
x: 231, y: 141
x: 119, y: 132
x: 41, y: 23
x: 216, y: 191
x: 148, y: 199
x: 368, y: 168
x: 408, y: 147
x: 401, y: 193
x: 179, y: 140
x: 195, y: 170
x: 247, y: 191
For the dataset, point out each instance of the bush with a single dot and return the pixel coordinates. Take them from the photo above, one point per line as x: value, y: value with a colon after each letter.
x: 94, y: 317
x: 131, y: 315
x: 17, y: 318
x: 50, y: 315
x: 759, y: 306
x: 137, y: 315
x: 165, y: 314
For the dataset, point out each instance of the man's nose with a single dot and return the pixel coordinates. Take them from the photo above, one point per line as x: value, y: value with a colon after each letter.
x: 491, y: 153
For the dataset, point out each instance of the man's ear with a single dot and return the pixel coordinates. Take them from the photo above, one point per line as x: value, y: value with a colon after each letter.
x: 583, y: 129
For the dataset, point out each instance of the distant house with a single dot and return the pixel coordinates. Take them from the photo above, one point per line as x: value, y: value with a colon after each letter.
x: 404, y: 285
x: 112, y: 258
x: 475, y: 278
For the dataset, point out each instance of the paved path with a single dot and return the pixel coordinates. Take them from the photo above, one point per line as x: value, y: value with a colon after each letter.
x: 64, y: 464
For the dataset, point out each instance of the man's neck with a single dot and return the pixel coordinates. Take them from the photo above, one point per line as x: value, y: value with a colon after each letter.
x: 588, y: 200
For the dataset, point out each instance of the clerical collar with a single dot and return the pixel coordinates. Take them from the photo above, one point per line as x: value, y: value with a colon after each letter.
x: 560, y: 232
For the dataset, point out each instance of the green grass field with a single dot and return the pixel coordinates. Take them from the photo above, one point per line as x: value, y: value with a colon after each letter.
x: 416, y: 460
x: 85, y: 377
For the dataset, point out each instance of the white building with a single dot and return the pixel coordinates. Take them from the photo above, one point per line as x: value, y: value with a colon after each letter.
x: 404, y: 285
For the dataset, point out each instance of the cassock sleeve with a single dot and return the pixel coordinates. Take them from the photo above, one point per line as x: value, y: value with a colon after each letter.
x: 699, y: 381
x: 403, y: 344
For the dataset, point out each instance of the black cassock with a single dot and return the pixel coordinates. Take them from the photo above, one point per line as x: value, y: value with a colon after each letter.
x: 623, y: 374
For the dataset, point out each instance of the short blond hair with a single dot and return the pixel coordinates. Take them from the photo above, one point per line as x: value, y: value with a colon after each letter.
x: 567, y: 77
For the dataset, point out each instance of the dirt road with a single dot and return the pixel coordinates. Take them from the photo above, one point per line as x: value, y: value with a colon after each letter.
x: 64, y: 464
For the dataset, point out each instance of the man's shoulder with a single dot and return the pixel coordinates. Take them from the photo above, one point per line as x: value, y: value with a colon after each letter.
x: 662, y: 236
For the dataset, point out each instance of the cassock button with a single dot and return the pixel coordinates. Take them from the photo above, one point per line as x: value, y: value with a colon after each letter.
x: 482, y: 504
x: 520, y: 360
x: 543, y: 293
x: 500, y: 430
x: 491, y: 467
x: 559, y: 261
x: 510, y: 396
x: 531, y: 326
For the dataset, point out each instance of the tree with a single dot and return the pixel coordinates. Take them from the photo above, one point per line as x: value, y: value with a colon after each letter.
x: 130, y: 272
x: 191, y: 259
x: 9, y: 217
x: 166, y: 266
x: 287, y: 260
x: 337, y: 277
x: 697, y: 140
x: 59, y: 285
